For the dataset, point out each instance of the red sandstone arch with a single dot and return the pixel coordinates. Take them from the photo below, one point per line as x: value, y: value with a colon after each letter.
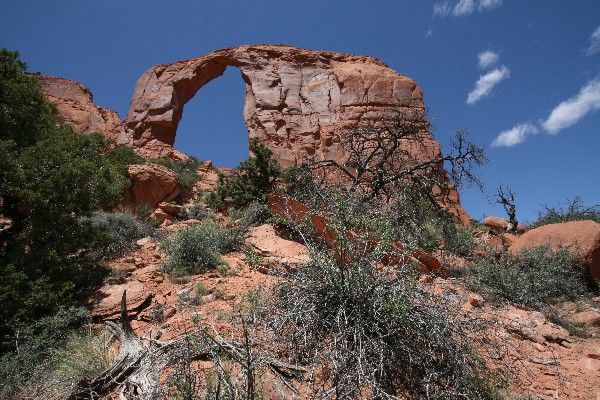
x: 297, y: 101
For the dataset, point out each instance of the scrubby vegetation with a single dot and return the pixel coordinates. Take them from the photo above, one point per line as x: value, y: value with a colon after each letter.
x: 376, y: 333
x: 186, y: 170
x: 119, y: 232
x: 535, y: 278
x: 574, y: 210
x: 197, y: 248
x: 254, y: 179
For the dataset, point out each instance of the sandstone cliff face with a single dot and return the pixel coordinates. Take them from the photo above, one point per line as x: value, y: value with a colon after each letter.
x: 75, y: 105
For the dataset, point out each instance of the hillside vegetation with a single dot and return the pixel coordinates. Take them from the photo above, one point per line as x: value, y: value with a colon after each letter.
x: 376, y: 305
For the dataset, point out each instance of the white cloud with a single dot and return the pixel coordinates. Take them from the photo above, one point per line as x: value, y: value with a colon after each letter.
x: 486, y: 83
x: 463, y: 7
x: 594, y: 42
x: 485, y: 5
x: 429, y: 33
x: 570, y: 111
x: 441, y: 8
x: 514, y: 136
x: 487, y: 59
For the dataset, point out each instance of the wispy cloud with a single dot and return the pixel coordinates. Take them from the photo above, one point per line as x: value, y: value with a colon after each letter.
x: 570, y: 111
x: 486, y: 83
x: 515, y: 136
x: 442, y: 8
x: 485, y: 5
x: 487, y: 59
x: 594, y: 47
x: 464, y: 7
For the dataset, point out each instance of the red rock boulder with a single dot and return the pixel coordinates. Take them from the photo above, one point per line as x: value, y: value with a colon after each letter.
x: 500, y: 224
x: 583, y: 237
x: 151, y: 184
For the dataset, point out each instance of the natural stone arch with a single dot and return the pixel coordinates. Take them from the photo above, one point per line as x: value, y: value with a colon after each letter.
x: 297, y: 101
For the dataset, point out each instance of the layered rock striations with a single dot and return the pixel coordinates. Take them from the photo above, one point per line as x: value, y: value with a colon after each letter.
x: 75, y: 104
x: 298, y: 102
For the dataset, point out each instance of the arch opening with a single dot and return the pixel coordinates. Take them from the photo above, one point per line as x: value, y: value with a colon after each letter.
x: 212, y: 126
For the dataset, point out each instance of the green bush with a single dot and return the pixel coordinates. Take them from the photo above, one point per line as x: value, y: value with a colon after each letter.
x: 253, y: 214
x: 377, y: 333
x: 197, y: 249
x: 574, y: 210
x: 255, y: 178
x: 121, y: 231
x: 31, y: 345
x: 420, y: 222
x: 123, y: 156
x: 50, y: 177
x: 534, y: 278
x: 195, y: 211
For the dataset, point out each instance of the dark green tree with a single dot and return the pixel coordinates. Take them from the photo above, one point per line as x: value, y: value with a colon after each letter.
x: 255, y: 178
x: 50, y: 177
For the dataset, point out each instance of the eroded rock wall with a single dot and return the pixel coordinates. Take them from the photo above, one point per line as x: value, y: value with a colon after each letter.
x: 75, y: 104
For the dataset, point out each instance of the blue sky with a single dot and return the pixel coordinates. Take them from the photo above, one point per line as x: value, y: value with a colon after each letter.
x: 522, y: 76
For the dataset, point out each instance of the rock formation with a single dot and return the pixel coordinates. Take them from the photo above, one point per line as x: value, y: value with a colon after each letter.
x: 298, y: 102
x: 151, y: 184
x: 582, y: 237
x: 74, y: 103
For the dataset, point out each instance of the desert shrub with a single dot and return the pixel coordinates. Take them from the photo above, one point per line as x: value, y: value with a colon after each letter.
x: 195, y: 211
x: 574, y: 210
x: 373, y: 329
x: 254, y: 179
x: 305, y: 185
x: 29, y: 347
x: 121, y: 231
x: 253, y: 214
x: 378, y: 333
x: 197, y: 248
x: 534, y: 278
x: 124, y: 156
x: 186, y: 170
x: 84, y: 354
x: 420, y: 222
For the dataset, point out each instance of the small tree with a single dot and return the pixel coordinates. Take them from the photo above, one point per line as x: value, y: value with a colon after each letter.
x: 391, y: 153
x: 254, y: 179
x: 506, y: 198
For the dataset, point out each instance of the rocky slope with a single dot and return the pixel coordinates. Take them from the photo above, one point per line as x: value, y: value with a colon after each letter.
x: 536, y: 356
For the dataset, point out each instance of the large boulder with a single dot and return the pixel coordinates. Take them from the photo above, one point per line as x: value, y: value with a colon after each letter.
x: 501, y: 224
x: 583, y: 238
x: 75, y: 104
x: 151, y: 184
x: 298, y: 103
